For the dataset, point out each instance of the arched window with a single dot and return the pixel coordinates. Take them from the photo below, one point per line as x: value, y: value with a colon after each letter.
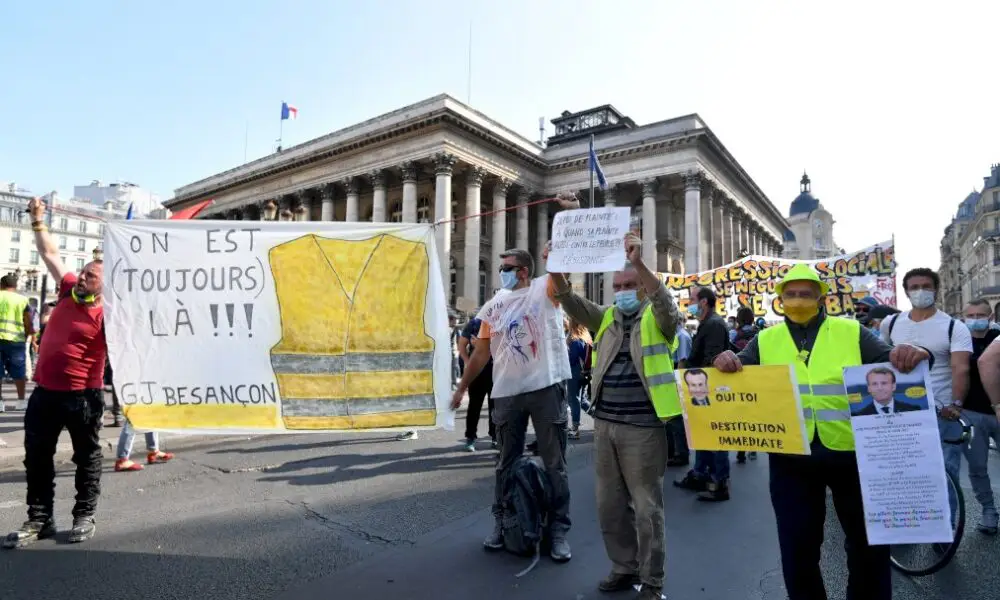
x: 484, y: 282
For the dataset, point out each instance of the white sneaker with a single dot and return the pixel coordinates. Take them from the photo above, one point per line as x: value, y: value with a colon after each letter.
x: 3, y: 444
x: 21, y: 405
x: 3, y: 407
x: 407, y: 436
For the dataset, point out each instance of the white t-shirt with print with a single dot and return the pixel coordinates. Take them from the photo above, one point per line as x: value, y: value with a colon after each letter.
x: 527, y: 339
x: 931, y: 334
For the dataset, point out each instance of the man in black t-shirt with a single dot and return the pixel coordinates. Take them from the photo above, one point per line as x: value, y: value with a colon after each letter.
x: 479, y: 389
x: 978, y: 411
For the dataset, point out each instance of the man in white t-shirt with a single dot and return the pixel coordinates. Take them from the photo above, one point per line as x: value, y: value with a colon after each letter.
x: 948, y: 341
x: 527, y: 342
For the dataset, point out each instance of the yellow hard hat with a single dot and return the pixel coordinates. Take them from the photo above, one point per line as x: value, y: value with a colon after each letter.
x: 803, y: 272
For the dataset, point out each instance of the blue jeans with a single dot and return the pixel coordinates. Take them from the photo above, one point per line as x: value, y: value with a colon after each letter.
x: 573, y: 396
x: 711, y: 465
x: 952, y: 457
x: 127, y: 439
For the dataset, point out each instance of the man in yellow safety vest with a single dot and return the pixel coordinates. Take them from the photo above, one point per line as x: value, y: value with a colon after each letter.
x: 820, y: 347
x: 15, y: 329
x: 634, y: 392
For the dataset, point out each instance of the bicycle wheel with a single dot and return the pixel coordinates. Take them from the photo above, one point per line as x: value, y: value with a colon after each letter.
x: 918, y: 560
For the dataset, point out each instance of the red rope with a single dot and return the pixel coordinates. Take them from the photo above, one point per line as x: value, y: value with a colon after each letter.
x: 493, y: 212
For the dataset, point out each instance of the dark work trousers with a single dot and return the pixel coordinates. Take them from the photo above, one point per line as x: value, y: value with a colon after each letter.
x: 547, y: 410
x: 49, y: 412
x: 798, y: 495
x: 677, y: 439
x: 479, y: 390
x: 116, y: 407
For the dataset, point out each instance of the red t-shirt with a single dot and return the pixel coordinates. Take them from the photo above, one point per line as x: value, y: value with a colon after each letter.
x: 73, y: 350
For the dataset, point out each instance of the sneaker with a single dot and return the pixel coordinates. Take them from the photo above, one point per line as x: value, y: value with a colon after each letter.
x: 988, y: 523
x: 494, y: 541
x: 30, y: 532
x: 649, y: 593
x: 3, y: 407
x: 574, y: 433
x: 3, y: 444
x: 83, y: 529
x: 469, y: 445
x: 407, y: 436
x: 21, y: 405
x: 158, y: 456
x: 118, y: 422
x: 692, y: 483
x: 560, y: 551
x: 715, y: 492
x: 125, y: 465
x: 618, y: 582
x: 741, y: 457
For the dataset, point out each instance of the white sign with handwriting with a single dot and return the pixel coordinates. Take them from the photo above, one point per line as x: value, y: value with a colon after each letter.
x: 589, y: 240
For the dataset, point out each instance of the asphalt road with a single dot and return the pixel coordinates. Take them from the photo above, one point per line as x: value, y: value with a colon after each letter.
x: 362, y: 516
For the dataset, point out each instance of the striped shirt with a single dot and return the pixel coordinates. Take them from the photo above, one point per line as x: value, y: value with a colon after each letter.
x: 623, y: 399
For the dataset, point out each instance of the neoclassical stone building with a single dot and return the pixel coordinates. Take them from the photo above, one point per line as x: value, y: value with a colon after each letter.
x: 440, y: 160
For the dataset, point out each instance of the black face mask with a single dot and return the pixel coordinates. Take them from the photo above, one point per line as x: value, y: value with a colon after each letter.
x: 864, y: 318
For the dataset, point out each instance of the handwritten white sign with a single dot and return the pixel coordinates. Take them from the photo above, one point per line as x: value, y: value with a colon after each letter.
x: 589, y: 240
x: 262, y: 327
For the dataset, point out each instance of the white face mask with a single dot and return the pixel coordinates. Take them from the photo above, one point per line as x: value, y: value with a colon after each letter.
x: 921, y: 298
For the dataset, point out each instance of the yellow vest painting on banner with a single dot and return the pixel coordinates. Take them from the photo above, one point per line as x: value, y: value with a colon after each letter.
x: 757, y: 409
x: 271, y: 327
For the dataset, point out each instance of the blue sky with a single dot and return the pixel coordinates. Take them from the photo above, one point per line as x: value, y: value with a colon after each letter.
x: 893, y: 110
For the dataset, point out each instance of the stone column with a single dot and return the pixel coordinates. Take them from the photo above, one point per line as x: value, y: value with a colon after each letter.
x: 649, y: 254
x: 473, y: 206
x: 718, y: 231
x: 694, y: 259
x: 353, y: 193
x: 707, y: 229
x: 499, y: 238
x: 326, y: 200
x: 409, y: 170
x: 443, y: 165
x: 738, y: 233
x: 729, y: 239
x: 377, y: 179
x: 542, y: 231
x: 521, y: 230
x: 610, y: 199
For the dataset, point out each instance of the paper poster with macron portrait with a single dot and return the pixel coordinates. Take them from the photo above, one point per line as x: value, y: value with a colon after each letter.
x: 255, y: 326
x: 757, y: 409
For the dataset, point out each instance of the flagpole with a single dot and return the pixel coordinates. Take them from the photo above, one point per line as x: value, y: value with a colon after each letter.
x: 246, y: 138
x: 591, y: 280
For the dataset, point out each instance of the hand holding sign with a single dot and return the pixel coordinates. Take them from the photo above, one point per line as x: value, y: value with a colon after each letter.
x: 906, y: 357
x: 588, y: 240
x: 727, y: 362
x: 633, y: 248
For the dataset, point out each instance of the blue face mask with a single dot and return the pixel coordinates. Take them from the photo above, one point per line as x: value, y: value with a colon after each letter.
x: 508, y: 279
x: 693, y: 310
x: 627, y: 301
x: 978, y: 324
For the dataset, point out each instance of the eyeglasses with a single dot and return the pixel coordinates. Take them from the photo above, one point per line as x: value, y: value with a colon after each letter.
x: 509, y: 268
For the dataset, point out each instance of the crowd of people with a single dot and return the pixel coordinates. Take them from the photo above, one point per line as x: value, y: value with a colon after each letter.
x: 541, y: 352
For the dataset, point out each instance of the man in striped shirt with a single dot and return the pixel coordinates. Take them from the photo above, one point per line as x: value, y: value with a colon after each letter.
x: 629, y: 439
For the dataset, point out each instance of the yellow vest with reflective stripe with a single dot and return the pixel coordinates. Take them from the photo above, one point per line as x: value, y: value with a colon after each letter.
x: 825, y: 406
x: 12, y: 307
x: 657, y: 362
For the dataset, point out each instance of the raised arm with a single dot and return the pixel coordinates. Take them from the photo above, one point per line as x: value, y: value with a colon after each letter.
x: 989, y: 374
x: 47, y: 249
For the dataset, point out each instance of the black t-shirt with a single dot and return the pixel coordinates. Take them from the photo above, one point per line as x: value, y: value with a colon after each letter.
x: 711, y: 340
x: 471, y: 333
x: 977, y: 400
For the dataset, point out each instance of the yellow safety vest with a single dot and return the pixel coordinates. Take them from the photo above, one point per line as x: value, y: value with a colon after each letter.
x: 657, y: 362
x: 825, y: 406
x: 354, y: 349
x: 12, y: 307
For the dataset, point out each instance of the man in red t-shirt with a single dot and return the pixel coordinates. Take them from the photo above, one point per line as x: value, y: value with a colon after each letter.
x: 68, y: 395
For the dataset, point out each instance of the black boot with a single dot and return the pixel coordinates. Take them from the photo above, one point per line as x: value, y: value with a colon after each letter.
x: 30, y: 532
x: 715, y: 492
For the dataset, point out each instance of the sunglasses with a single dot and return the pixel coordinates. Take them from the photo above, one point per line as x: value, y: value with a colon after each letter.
x: 509, y: 268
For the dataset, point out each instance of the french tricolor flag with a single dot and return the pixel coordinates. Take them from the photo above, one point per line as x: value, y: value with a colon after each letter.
x: 288, y: 111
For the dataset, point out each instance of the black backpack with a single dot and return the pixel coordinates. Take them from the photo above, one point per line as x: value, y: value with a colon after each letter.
x: 525, y: 505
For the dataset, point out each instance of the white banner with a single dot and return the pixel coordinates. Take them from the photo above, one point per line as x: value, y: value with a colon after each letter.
x: 588, y: 240
x: 263, y: 327
x: 750, y: 282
